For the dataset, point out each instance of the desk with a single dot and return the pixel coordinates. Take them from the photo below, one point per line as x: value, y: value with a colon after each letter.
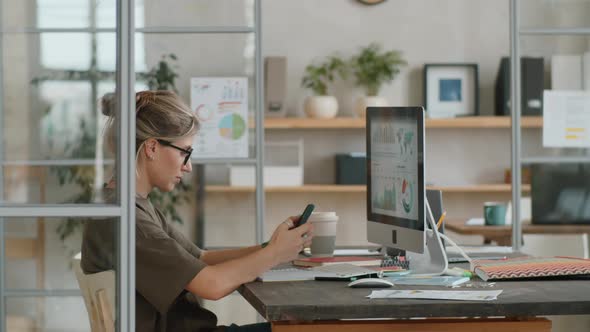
x: 307, y: 305
x: 503, y: 234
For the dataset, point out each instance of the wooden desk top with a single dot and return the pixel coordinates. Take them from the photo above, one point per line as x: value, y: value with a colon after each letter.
x: 459, y: 227
x: 328, y: 300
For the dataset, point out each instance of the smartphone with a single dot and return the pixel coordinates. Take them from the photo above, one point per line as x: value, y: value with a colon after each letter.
x: 305, y: 215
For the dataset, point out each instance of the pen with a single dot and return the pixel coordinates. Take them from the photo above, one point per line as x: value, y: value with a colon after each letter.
x: 440, y: 220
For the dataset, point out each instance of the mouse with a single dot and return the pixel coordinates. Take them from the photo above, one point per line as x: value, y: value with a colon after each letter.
x: 370, y: 283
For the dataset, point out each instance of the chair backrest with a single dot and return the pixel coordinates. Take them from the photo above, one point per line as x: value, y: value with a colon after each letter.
x: 98, y: 290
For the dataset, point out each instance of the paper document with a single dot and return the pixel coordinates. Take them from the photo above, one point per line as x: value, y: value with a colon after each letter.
x: 488, y: 295
x: 481, y: 250
x: 475, y: 222
x: 288, y: 274
x: 566, y: 119
x: 327, y: 272
x: 446, y: 281
x: 221, y: 104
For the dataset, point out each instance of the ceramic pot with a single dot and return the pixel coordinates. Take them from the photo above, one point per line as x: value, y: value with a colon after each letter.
x: 323, y: 107
x: 360, y: 107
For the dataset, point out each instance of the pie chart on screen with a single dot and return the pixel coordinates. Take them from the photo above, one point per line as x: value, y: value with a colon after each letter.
x: 232, y: 126
x: 407, y: 196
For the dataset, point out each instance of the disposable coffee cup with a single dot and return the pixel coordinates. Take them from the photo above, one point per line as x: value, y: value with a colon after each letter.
x: 324, y: 233
x: 494, y: 213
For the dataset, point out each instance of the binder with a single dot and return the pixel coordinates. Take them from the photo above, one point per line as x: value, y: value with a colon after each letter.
x: 532, y: 83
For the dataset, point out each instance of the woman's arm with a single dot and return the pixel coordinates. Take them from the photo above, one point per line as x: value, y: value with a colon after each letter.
x: 214, y: 257
x: 216, y: 281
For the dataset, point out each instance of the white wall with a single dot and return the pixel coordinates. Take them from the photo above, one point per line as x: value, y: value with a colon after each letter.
x: 425, y: 31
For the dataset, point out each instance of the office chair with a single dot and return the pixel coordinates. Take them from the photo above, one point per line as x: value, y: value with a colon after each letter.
x: 98, y: 290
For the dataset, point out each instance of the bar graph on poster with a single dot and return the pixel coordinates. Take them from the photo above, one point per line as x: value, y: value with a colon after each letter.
x: 221, y: 105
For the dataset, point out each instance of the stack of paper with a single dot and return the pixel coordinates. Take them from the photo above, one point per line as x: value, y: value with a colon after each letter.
x: 447, y: 281
x: 487, y: 295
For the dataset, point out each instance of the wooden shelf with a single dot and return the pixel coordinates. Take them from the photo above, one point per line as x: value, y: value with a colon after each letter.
x: 327, y: 188
x: 459, y: 227
x: 480, y: 188
x: 489, y: 122
x: 308, y: 188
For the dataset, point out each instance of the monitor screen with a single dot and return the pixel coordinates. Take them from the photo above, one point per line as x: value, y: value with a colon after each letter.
x: 395, y: 172
x: 560, y: 193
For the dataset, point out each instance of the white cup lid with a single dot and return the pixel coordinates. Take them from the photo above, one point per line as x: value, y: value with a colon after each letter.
x: 324, y: 214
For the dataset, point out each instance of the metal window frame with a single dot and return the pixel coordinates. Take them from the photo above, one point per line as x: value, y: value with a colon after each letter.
x: 515, y: 130
x: 125, y: 305
x: 516, y: 135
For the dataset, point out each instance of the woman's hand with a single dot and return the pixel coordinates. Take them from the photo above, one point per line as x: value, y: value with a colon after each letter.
x: 287, y: 241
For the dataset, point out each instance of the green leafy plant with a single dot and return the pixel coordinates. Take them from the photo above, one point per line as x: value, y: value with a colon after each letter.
x: 318, y: 76
x: 162, y: 75
x: 373, y: 67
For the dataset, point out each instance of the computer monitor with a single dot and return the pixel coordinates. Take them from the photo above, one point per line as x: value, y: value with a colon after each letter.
x: 560, y: 193
x: 396, y: 195
x: 395, y: 177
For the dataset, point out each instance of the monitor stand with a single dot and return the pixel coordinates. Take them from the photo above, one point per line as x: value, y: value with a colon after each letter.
x: 434, y: 259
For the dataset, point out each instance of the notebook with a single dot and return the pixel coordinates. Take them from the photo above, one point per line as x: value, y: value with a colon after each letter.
x: 530, y: 267
x: 323, y: 261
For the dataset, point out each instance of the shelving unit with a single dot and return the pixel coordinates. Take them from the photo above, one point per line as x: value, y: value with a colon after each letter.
x: 332, y: 188
x: 476, y: 122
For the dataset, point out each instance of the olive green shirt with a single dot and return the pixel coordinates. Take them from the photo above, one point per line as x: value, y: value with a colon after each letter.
x: 165, y: 263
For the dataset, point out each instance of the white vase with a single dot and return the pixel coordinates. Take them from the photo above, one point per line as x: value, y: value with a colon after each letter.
x: 323, y: 107
x: 363, y: 102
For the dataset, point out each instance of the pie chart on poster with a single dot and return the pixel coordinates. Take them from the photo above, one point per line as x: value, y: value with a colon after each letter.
x: 204, y: 112
x: 232, y: 126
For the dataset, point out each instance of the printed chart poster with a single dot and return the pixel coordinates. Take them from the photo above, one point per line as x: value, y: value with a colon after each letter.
x: 394, y: 169
x: 566, y: 119
x: 221, y: 104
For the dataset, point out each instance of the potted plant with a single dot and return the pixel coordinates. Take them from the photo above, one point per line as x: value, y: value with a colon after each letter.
x: 373, y: 67
x: 316, y: 78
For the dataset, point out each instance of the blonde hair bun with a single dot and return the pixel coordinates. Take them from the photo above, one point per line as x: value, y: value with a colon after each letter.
x: 107, y: 104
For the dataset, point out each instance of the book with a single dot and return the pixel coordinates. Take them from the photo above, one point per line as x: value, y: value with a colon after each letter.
x: 530, y: 267
x: 323, y: 261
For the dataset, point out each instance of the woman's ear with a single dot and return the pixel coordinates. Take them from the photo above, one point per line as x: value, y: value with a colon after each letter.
x: 150, y: 148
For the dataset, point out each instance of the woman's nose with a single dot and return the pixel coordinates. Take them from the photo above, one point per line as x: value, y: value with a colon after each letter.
x: 188, y: 167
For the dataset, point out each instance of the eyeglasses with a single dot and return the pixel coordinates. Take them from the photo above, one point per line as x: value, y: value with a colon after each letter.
x: 186, y: 151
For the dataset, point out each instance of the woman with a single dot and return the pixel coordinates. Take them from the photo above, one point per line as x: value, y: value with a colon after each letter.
x: 170, y: 270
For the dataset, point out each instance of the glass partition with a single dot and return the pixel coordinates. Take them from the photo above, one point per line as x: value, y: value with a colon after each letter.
x: 201, y: 13
x: 41, y: 258
x: 555, y: 155
x: 57, y: 62
x: 554, y: 14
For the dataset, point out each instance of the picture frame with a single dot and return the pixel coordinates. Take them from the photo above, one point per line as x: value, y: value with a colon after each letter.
x: 451, y: 89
